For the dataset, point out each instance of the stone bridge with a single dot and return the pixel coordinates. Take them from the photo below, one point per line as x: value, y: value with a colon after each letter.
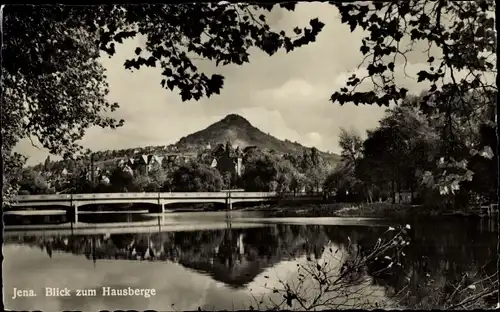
x: 73, y: 201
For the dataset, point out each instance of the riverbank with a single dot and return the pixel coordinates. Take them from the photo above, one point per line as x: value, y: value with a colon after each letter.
x: 364, y: 210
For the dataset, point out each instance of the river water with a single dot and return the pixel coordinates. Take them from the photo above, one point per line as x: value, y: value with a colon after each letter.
x: 208, y: 261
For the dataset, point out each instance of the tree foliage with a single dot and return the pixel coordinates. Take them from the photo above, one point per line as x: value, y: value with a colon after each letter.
x: 55, y: 88
x: 405, y: 153
x: 54, y: 85
x: 196, y: 177
x: 34, y: 183
x: 222, y: 33
x: 266, y: 172
x: 344, y: 176
x: 315, y: 168
x: 462, y: 33
x: 260, y: 171
x: 351, y: 145
x: 122, y: 180
x: 461, y: 61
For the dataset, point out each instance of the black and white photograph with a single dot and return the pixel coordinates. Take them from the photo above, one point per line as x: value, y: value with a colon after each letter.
x: 212, y: 156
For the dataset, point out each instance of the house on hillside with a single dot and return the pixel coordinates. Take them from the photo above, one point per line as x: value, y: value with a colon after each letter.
x: 219, y: 150
x: 93, y: 175
x: 404, y: 197
x: 213, y: 163
x: 229, y: 163
x: 227, y: 159
x: 230, y: 160
x: 150, y: 162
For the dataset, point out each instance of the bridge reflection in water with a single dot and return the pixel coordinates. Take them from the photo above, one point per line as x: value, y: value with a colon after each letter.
x: 240, y: 258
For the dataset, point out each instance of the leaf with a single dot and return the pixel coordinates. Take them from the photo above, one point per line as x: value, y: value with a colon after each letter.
x: 170, y: 84
x: 353, y: 24
x: 422, y: 75
x: 364, y: 49
x: 316, y: 25
x: 487, y: 152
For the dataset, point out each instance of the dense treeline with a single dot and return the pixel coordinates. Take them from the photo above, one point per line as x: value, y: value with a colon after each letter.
x: 414, y: 151
x: 262, y: 170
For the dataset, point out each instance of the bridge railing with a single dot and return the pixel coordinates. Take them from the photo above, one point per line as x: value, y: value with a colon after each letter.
x: 156, y: 195
x: 44, y: 197
x: 192, y: 194
x: 253, y: 194
x: 116, y: 195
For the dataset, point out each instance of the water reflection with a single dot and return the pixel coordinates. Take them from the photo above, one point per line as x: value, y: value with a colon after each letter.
x: 238, y: 257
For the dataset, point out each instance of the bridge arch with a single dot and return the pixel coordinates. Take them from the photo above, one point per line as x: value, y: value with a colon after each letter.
x: 81, y: 203
x: 193, y: 201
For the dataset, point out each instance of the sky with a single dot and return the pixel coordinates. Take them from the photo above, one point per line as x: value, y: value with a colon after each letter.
x: 286, y: 95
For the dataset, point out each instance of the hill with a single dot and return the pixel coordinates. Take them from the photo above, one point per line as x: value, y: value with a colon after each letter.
x: 232, y: 127
x: 240, y: 132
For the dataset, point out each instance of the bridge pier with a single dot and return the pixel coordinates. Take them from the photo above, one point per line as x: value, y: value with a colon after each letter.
x: 229, y: 203
x: 73, y: 209
x: 161, y: 204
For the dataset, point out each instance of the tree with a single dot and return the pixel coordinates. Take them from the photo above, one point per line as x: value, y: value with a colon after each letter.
x: 260, y: 171
x: 292, y: 159
x: 54, y: 85
x: 34, y: 183
x: 122, y: 180
x: 314, y: 167
x: 485, y: 180
x: 298, y: 182
x: 80, y: 184
x: 406, y: 151
x: 345, y: 176
x: 351, y: 144
x: 47, y: 165
x: 266, y: 172
x: 196, y: 177
x: 55, y: 88
x: 158, y: 178
x: 287, y: 177
x: 399, y: 151
x: 461, y: 42
x: 227, y: 177
x: 11, y: 175
x: 146, y: 183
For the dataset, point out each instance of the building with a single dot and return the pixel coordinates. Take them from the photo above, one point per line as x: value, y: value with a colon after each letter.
x: 228, y: 160
x: 404, y: 197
